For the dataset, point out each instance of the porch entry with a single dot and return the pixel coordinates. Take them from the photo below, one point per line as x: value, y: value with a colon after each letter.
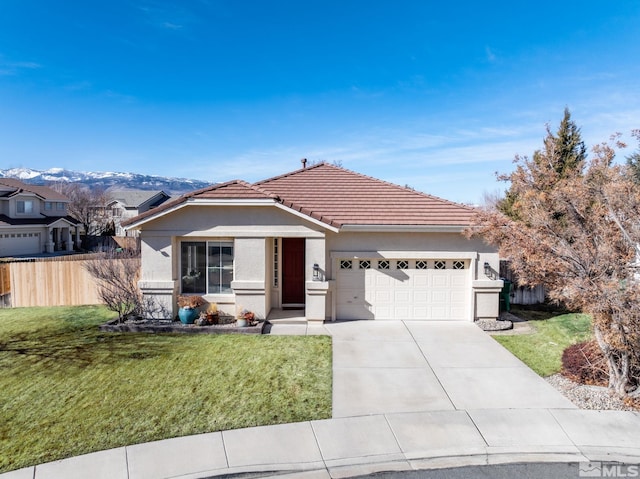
x: 293, y: 273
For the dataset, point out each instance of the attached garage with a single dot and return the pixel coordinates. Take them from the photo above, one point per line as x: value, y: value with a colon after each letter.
x: 409, y: 289
x: 14, y: 244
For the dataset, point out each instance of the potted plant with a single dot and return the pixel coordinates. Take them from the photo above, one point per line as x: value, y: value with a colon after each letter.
x: 208, y: 317
x: 213, y: 317
x: 188, y: 307
x: 245, y: 318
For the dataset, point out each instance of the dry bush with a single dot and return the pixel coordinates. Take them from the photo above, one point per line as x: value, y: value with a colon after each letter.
x: 585, y: 364
x: 117, y: 276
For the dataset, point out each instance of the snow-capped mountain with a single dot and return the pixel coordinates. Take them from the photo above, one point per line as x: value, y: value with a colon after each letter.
x: 104, y: 179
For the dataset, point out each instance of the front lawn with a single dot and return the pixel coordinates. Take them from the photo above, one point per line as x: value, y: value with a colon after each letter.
x: 67, y: 389
x: 542, y: 350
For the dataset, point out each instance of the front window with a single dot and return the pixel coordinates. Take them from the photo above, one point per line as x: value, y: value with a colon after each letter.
x: 220, y: 267
x: 60, y: 206
x: 48, y: 206
x: 25, y: 206
x: 206, y: 267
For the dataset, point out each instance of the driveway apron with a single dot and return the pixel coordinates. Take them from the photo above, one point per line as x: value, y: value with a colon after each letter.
x: 382, y: 367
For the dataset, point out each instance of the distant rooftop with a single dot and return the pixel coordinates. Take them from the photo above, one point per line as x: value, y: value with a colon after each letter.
x: 135, y: 198
x: 43, y: 192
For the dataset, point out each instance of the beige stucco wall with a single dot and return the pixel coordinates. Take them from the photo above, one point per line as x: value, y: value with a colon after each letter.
x: 235, y: 221
x: 389, y: 244
x: 252, y: 229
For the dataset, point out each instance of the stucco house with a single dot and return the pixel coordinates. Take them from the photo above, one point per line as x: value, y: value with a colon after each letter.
x: 332, y: 242
x: 125, y: 204
x: 34, y: 220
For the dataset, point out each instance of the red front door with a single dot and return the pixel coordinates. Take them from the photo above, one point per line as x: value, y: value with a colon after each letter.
x: 293, y: 271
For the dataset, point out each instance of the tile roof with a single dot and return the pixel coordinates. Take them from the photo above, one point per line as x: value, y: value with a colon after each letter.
x: 236, y: 189
x: 337, y: 197
x: 231, y: 190
x: 43, y: 191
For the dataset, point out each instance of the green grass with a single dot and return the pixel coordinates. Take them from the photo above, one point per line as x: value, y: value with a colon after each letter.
x: 67, y: 389
x: 542, y: 349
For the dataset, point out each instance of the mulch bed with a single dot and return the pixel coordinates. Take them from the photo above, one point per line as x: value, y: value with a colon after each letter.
x: 165, y: 326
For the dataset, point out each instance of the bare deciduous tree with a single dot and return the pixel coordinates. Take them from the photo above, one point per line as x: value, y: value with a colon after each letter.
x: 88, y: 206
x: 117, y: 274
x: 577, y: 231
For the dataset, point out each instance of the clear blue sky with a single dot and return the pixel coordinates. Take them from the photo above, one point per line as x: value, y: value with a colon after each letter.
x: 437, y: 95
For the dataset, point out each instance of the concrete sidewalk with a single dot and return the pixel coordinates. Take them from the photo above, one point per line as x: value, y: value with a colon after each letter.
x: 344, y: 447
x: 407, y: 395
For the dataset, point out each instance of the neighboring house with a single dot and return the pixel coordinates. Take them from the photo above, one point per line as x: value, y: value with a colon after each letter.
x: 126, y: 204
x: 338, y: 244
x: 33, y: 220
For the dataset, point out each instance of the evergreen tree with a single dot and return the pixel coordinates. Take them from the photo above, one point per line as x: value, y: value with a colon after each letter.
x: 563, y: 156
x: 571, y: 151
x: 633, y: 160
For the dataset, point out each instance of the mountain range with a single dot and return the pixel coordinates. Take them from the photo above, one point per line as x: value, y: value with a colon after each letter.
x: 105, y: 180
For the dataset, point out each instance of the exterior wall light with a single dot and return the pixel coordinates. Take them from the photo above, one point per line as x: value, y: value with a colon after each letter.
x: 487, y: 270
x: 316, y: 272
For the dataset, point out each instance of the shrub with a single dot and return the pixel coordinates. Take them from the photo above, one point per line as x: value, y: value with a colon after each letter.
x: 116, y: 274
x: 190, y: 301
x: 585, y: 363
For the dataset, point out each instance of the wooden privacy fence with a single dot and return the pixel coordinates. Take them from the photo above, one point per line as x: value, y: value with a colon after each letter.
x: 522, y: 294
x: 5, y: 285
x: 58, y: 281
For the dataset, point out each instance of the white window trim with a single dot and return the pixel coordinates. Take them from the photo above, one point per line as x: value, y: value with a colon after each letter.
x: 217, y: 297
x: 25, y: 212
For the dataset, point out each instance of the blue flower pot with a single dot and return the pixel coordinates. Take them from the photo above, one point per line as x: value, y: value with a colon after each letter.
x: 187, y: 315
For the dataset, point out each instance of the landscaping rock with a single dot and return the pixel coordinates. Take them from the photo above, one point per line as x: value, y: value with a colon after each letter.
x: 588, y: 397
x: 494, y: 325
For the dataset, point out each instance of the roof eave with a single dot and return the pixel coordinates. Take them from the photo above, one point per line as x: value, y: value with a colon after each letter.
x: 133, y: 225
x: 373, y: 228
x: 307, y: 217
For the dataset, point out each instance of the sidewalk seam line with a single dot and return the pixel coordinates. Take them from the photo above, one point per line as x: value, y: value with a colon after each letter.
x: 550, y: 411
x: 466, y: 411
x: 126, y: 461
x: 224, y: 449
x: 453, y: 404
x: 395, y: 437
x: 315, y: 438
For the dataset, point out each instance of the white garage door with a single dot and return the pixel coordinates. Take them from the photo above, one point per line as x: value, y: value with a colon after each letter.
x: 433, y: 289
x: 13, y: 244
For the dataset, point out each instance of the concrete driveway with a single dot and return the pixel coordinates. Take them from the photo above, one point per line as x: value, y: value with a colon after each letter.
x: 383, y: 367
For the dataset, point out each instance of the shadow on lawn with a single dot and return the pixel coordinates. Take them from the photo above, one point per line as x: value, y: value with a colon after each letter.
x: 82, y: 347
x: 537, y: 312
